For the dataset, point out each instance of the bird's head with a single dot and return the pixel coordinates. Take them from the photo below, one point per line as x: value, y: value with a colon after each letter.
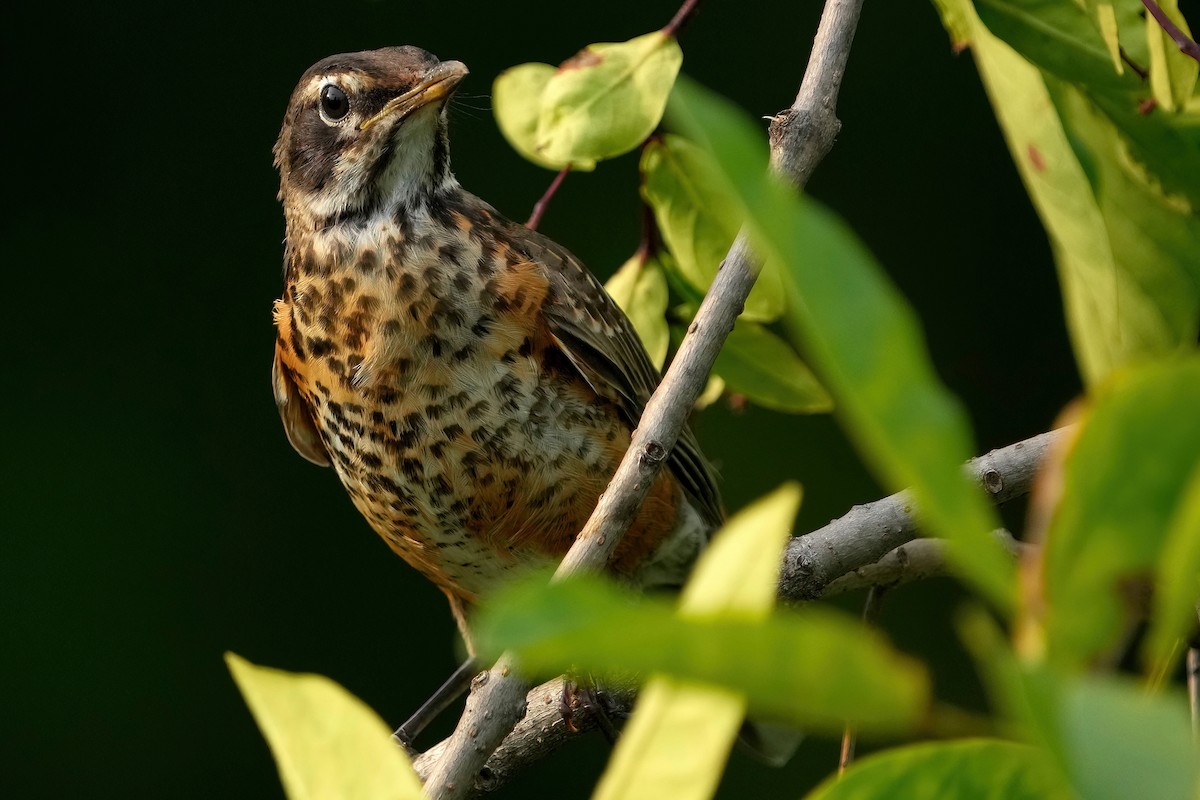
x: 365, y: 128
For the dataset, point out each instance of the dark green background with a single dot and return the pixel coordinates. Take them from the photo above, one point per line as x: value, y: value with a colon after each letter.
x: 154, y: 515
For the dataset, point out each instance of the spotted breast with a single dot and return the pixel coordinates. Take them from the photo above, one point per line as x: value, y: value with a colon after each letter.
x: 469, y: 380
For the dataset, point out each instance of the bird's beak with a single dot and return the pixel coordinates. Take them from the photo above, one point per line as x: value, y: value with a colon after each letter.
x: 437, y: 86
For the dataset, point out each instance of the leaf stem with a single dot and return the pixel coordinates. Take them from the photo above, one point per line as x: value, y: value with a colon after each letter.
x: 1186, y: 45
x: 539, y: 208
x: 681, y: 18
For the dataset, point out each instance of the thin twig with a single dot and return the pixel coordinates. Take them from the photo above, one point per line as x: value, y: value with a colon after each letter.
x: 872, y: 607
x: 1186, y: 45
x: 681, y: 18
x: 539, y: 208
x: 1006, y: 473
x: 1193, y: 684
x: 492, y: 712
x: 914, y: 561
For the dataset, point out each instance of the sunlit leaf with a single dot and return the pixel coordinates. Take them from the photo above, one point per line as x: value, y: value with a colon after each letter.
x: 679, y: 738
x: 699, y: 218
x: 606, y: 99
x: 1177, y: 588
x: 712, y: 392
x: 974, y: 769
x: 327, y: 743
x: 739, y: 571
x: 863, y: 340
x: 757, y: 363
x: 517, y: 103
x: 1121, y: 245
x: 1153, y: 240
x: 639, y: 287
x: 587, y: 624
x: 1105, y: 17
x: 1123, y: 483
x: 1172, y: 73
x: 1058, y: 37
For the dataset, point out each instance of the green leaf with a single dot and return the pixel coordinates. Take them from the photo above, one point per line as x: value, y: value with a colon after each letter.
x: 327, y: 743
x: 739, y: 570
x: 588, y: 624
x: 1058, y: 37
x: 1119, y: 742
x: 1123, y: 482
x: 864, y: 341
x: 517, y: 102
x: 606, y: 99
x: 676, y: 745
x: 679, y: 738
x: 1153, y: 241
x: 974, y: 769
x: 639, y: 287
x: 699, y: 217
x: 757, y: 363
x: 1121, y: 245
x: 1110, y: 738
x: 1105, y: 18
x: 1172, y: 74
x: 1178, y: 581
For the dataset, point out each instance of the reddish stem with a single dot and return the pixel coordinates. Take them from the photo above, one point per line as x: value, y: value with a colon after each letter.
x: 681, y: 17
x: 539, y: 208
x: 1186, y: 45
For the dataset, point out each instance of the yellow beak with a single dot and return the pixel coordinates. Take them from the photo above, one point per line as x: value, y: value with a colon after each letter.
x: 437, y: 86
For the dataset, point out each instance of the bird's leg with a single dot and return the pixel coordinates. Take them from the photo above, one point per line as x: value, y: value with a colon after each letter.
x: 591, y: 696
x: 454, y: 687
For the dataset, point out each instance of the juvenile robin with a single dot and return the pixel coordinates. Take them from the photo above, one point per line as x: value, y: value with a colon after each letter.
x: 470, y: 382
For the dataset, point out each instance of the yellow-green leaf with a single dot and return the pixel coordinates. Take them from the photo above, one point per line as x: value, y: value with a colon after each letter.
x: 1177, y: 587
x: 972, y: 769
x: 327, y: 743
x: 757, y: 363
x: 1122, y: 485
x: 1111, y: 738
x: 740, y: 569
x: 606, y: 99
x: 517, y: 103
x: 712, y: 392
x: 588, y: 624
x: 699, y: 218
x: 864, y: 341
x: 675, y: 745
x: 679, y: 738
x: 639, y: 287
x: 1121, y: 245
x: 1172, y: 74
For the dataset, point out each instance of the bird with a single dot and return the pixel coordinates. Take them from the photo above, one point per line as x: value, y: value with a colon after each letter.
x: 468, y: 379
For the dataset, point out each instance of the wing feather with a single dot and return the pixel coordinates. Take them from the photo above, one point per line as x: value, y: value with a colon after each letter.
x: 600, y: 341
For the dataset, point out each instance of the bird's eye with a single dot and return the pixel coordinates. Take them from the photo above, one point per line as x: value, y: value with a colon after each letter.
x: 334, y: 103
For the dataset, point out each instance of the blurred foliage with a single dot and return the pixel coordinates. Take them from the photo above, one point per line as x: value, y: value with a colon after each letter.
x: 147, y: 470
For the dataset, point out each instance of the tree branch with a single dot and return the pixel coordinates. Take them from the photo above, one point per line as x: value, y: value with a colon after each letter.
x: 809, y: 127
x: 840, y: 564
x: 817, y: 559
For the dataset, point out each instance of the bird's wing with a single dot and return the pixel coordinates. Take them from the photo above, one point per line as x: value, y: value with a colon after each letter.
x: 600, y: 341
x: 297, y: 421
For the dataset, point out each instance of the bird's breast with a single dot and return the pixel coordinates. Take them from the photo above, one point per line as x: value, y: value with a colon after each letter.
x: 460, y: 431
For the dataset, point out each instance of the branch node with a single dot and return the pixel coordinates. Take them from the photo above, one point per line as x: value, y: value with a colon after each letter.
x: 653, y: 453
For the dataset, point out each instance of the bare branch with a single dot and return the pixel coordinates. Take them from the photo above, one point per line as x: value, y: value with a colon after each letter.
x: 843, y: 562
x: 816, y: 560
x: 498, y: 705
